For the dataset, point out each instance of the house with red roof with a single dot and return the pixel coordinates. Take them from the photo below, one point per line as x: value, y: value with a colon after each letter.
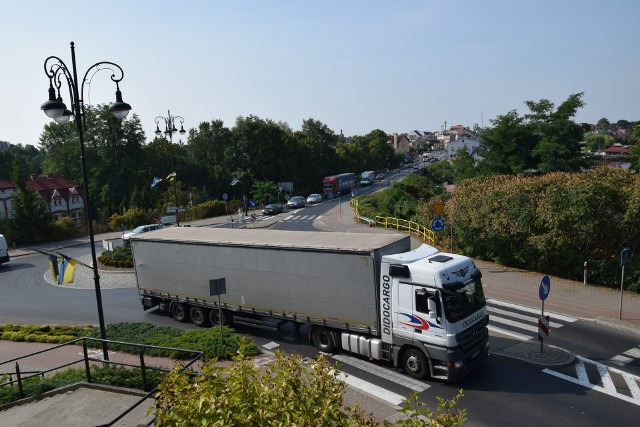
x: 63, y: 197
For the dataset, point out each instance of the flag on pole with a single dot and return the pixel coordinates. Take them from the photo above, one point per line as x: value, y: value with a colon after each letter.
x: 155, y: 181
x: 67, y: 269
x: 171, y: 176
x: 53, y: 263
x: 234, y: 181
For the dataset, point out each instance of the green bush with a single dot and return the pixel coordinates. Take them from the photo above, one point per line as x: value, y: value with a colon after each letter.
x: 209, y: 209
x: 65, y: 228
x: 121, y: 256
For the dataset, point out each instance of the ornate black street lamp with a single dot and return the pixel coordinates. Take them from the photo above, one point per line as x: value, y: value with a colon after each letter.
x: 169, y: 130
x: 58, y: 72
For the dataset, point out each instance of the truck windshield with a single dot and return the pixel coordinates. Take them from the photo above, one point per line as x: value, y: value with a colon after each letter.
x: 462, y: 299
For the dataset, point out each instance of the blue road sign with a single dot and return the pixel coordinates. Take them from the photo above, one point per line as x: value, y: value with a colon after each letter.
x: 545, y: 288
x: 252, y: 203
x: 224, y: 197
x: 437, y: 224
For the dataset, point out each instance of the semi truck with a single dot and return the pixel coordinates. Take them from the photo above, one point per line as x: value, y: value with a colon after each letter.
x: 368, y: 294
x: 336, y: 185
x: 367, y: 178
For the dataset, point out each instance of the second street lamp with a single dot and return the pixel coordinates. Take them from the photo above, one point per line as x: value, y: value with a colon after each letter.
x: 57, y: 72
x: 169, y: 130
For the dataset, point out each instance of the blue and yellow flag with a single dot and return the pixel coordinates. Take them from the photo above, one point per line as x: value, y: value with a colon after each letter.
x: 155, y: 181
x: 67, y: 269
x: 171, y: 176
x: 53, y: 263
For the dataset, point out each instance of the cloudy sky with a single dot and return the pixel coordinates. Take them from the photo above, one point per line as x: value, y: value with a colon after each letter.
x: 354, y: 65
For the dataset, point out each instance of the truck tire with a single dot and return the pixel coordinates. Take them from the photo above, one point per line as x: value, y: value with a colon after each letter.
x: 323, y: 339
x: 219, y: 317
x: 199, y: 316
x: 179, y: 312
x: 414, y: 363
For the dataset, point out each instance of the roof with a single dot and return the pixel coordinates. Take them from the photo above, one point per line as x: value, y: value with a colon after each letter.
x: 616, y: 150
x: 320, y: 240
x: 46, y: 185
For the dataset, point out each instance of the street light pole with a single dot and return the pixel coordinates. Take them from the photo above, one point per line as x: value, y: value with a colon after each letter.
x: 170, y: 129
x: 57, y: 70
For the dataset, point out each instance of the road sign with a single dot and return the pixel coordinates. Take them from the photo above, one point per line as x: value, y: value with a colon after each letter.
x: 545, y: 288
x: 437, y: 224
x: 625, y: 257
x: 438, y: 208
x: 543, y: 327
x: 252, y: 203
x: 224, y: 197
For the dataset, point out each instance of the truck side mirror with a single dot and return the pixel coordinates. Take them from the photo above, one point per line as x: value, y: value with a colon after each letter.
x: 433, y: 308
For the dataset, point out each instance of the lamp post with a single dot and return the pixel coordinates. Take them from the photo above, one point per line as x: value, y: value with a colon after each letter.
x: 57, y: 72
x: 169, y: 130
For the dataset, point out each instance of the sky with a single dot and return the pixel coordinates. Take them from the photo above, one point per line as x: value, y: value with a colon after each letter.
x: 354, y: 65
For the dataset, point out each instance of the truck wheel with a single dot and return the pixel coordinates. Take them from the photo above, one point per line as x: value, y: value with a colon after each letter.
x: 198, y: 316
x: 414, y: 363
x: 219, y: 317
x: 323, y: 339
x: 179, y: 312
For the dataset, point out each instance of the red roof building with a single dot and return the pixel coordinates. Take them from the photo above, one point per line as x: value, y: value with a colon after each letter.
x: 63, y: 197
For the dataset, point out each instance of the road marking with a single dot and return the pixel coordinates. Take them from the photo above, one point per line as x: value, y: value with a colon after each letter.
x: 621, y: 360
x: 531, y: 328
x: 387, y: 374
x: 271, y: 345
x: 498, y: 330
x: 533, y: 320
x: 372, y: 389
x: 532, y: 310
x: 604, y: 370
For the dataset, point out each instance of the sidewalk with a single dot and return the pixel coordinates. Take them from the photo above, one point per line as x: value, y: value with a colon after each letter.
x: 501, y: 283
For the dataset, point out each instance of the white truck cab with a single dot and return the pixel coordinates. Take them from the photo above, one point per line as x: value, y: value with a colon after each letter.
x: 4, y: 250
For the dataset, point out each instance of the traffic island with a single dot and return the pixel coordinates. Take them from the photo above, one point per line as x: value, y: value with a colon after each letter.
x: 529, y: 352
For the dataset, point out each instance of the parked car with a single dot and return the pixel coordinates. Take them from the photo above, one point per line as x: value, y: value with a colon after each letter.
x: 272, y: 209
x: 296, y: 202
x: 314, y: 198
x: 4, y: 250
x: 380, y: 176
x: 141, y: 229
x: 168, y: 219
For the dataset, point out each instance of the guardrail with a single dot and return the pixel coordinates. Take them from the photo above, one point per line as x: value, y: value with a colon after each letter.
x: 413, y: 228
x: 21, y: 376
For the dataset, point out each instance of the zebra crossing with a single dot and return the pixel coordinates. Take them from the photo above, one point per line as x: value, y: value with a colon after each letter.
x: 602, y: 378
x: 302, y: 218
x: 519, y: 321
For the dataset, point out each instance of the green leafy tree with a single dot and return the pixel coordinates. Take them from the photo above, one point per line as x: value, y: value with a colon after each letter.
x: 265, y: 192
x: 463, y: 166
x: 598, y: 141
x: 603, y: 124
x: 31, y: 219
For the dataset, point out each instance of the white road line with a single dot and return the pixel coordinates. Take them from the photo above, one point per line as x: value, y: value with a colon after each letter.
x: 633, y: 352
x: 392, y: 376
x: 533, y: 320
x: 609, y: 388
x: 520, y: 325
x: 372, y: 389
x: 621, y: 360
x: 498, y: 330
x: 532, y: 310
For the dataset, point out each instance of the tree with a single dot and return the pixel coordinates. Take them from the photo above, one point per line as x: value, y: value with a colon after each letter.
x: 265, y: 192
x: 598, y: 141
x: 603, y: 124
x: 463, y: 165
x: 544, y: 140
x: 30, y: 216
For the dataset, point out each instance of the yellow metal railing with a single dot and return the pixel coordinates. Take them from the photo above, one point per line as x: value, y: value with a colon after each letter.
x: 418, y: 230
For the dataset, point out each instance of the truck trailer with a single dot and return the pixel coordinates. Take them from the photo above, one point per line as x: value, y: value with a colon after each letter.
x: 363, y: 293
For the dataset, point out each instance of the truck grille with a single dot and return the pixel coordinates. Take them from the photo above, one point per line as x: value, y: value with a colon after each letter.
x: 470, y: 337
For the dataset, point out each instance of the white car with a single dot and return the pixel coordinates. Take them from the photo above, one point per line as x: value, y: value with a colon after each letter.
x: 141, y: 229
x: 314, y: 198
x: 296, y: 202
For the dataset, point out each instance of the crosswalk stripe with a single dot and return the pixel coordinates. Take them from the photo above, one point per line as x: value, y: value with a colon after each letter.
x: 634, y: 352
x: 621, y: 360
x: 604, y: 370
x: 530, y: 319
x: 392, y: 376
x: 372, y: 389
x: 531, y: 310
x: 520, y: 325
x: 507, y: 332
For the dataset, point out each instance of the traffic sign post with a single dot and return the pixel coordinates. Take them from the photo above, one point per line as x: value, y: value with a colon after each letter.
x: 543, y: 328
x: 625, y: 259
